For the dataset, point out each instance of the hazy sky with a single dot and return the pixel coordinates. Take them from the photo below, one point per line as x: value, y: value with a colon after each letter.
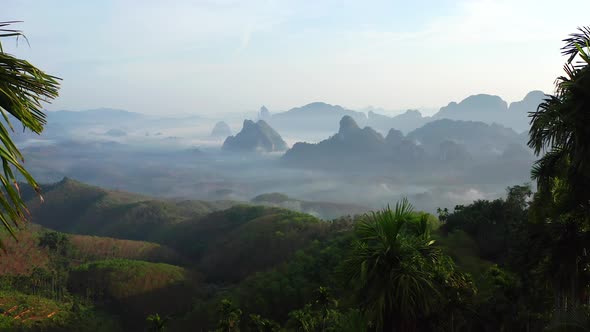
x: 220, y: 56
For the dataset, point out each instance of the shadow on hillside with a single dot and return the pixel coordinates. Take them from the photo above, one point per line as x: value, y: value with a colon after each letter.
x: 172, y: 301
x: 168, y: 301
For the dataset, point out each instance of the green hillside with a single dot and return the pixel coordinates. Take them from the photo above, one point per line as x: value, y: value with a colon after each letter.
x: 135, y: 289
x: 259, y: 243
x: 73, y: 207
x: 20, y: 312
x: 227, y: 245
x: 89, y: 248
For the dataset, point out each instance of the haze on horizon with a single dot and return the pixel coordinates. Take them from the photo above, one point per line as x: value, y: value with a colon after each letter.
x: 221, y: 56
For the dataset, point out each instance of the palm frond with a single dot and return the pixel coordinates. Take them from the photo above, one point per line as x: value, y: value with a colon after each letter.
x: 548, y: 126
x: 573, y: 43
x: 393, y: 264
x: 23, y: 89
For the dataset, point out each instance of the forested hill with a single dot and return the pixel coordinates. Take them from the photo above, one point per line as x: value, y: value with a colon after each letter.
x: 205, y: 234
x: 76, y: 207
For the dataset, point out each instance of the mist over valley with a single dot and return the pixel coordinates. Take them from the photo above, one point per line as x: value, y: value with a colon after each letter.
x: 317, y: 152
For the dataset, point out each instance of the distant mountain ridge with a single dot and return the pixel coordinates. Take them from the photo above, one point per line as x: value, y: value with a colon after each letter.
x: 405, y: 122
x: 493, y: 109
x: 323, y: 117
x: 351, y: 147
x: 486, y: 108
x: 317, y: 116
x: 477, y: 137
x: 442, y: 142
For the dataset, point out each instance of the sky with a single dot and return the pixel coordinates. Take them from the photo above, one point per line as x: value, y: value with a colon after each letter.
x: 223, y: 56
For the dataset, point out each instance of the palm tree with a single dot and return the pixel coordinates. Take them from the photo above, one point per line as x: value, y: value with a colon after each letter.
x: 392, y: 265
x: 23, y: 88
x: 560, y: 132
x: 560, y: 135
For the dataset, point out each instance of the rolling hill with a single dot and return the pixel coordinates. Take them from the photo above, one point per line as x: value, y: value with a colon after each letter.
x: 73, y: 207
x: 195, y: 233
x: 313, y: 117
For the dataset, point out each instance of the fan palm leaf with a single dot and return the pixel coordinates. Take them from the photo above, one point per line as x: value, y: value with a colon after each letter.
x: 392, y: 266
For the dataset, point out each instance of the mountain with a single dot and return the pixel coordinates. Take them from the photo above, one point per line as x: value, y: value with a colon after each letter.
x: 221, y: 130
x: 492, y: 109
x: 255, y: 137
x: 451, y: 143
x: 518, y: 118
x: 315, y: 117
x: 482, y: 107
x: 345, y: 148
x: 264, y: 113
x: 516, y: 151
x: 351, y: 148
x: 405, y: 122
x: 477, y: 137
x: 452, y: 152
x: 321, y: 117
x: 356, y: 137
